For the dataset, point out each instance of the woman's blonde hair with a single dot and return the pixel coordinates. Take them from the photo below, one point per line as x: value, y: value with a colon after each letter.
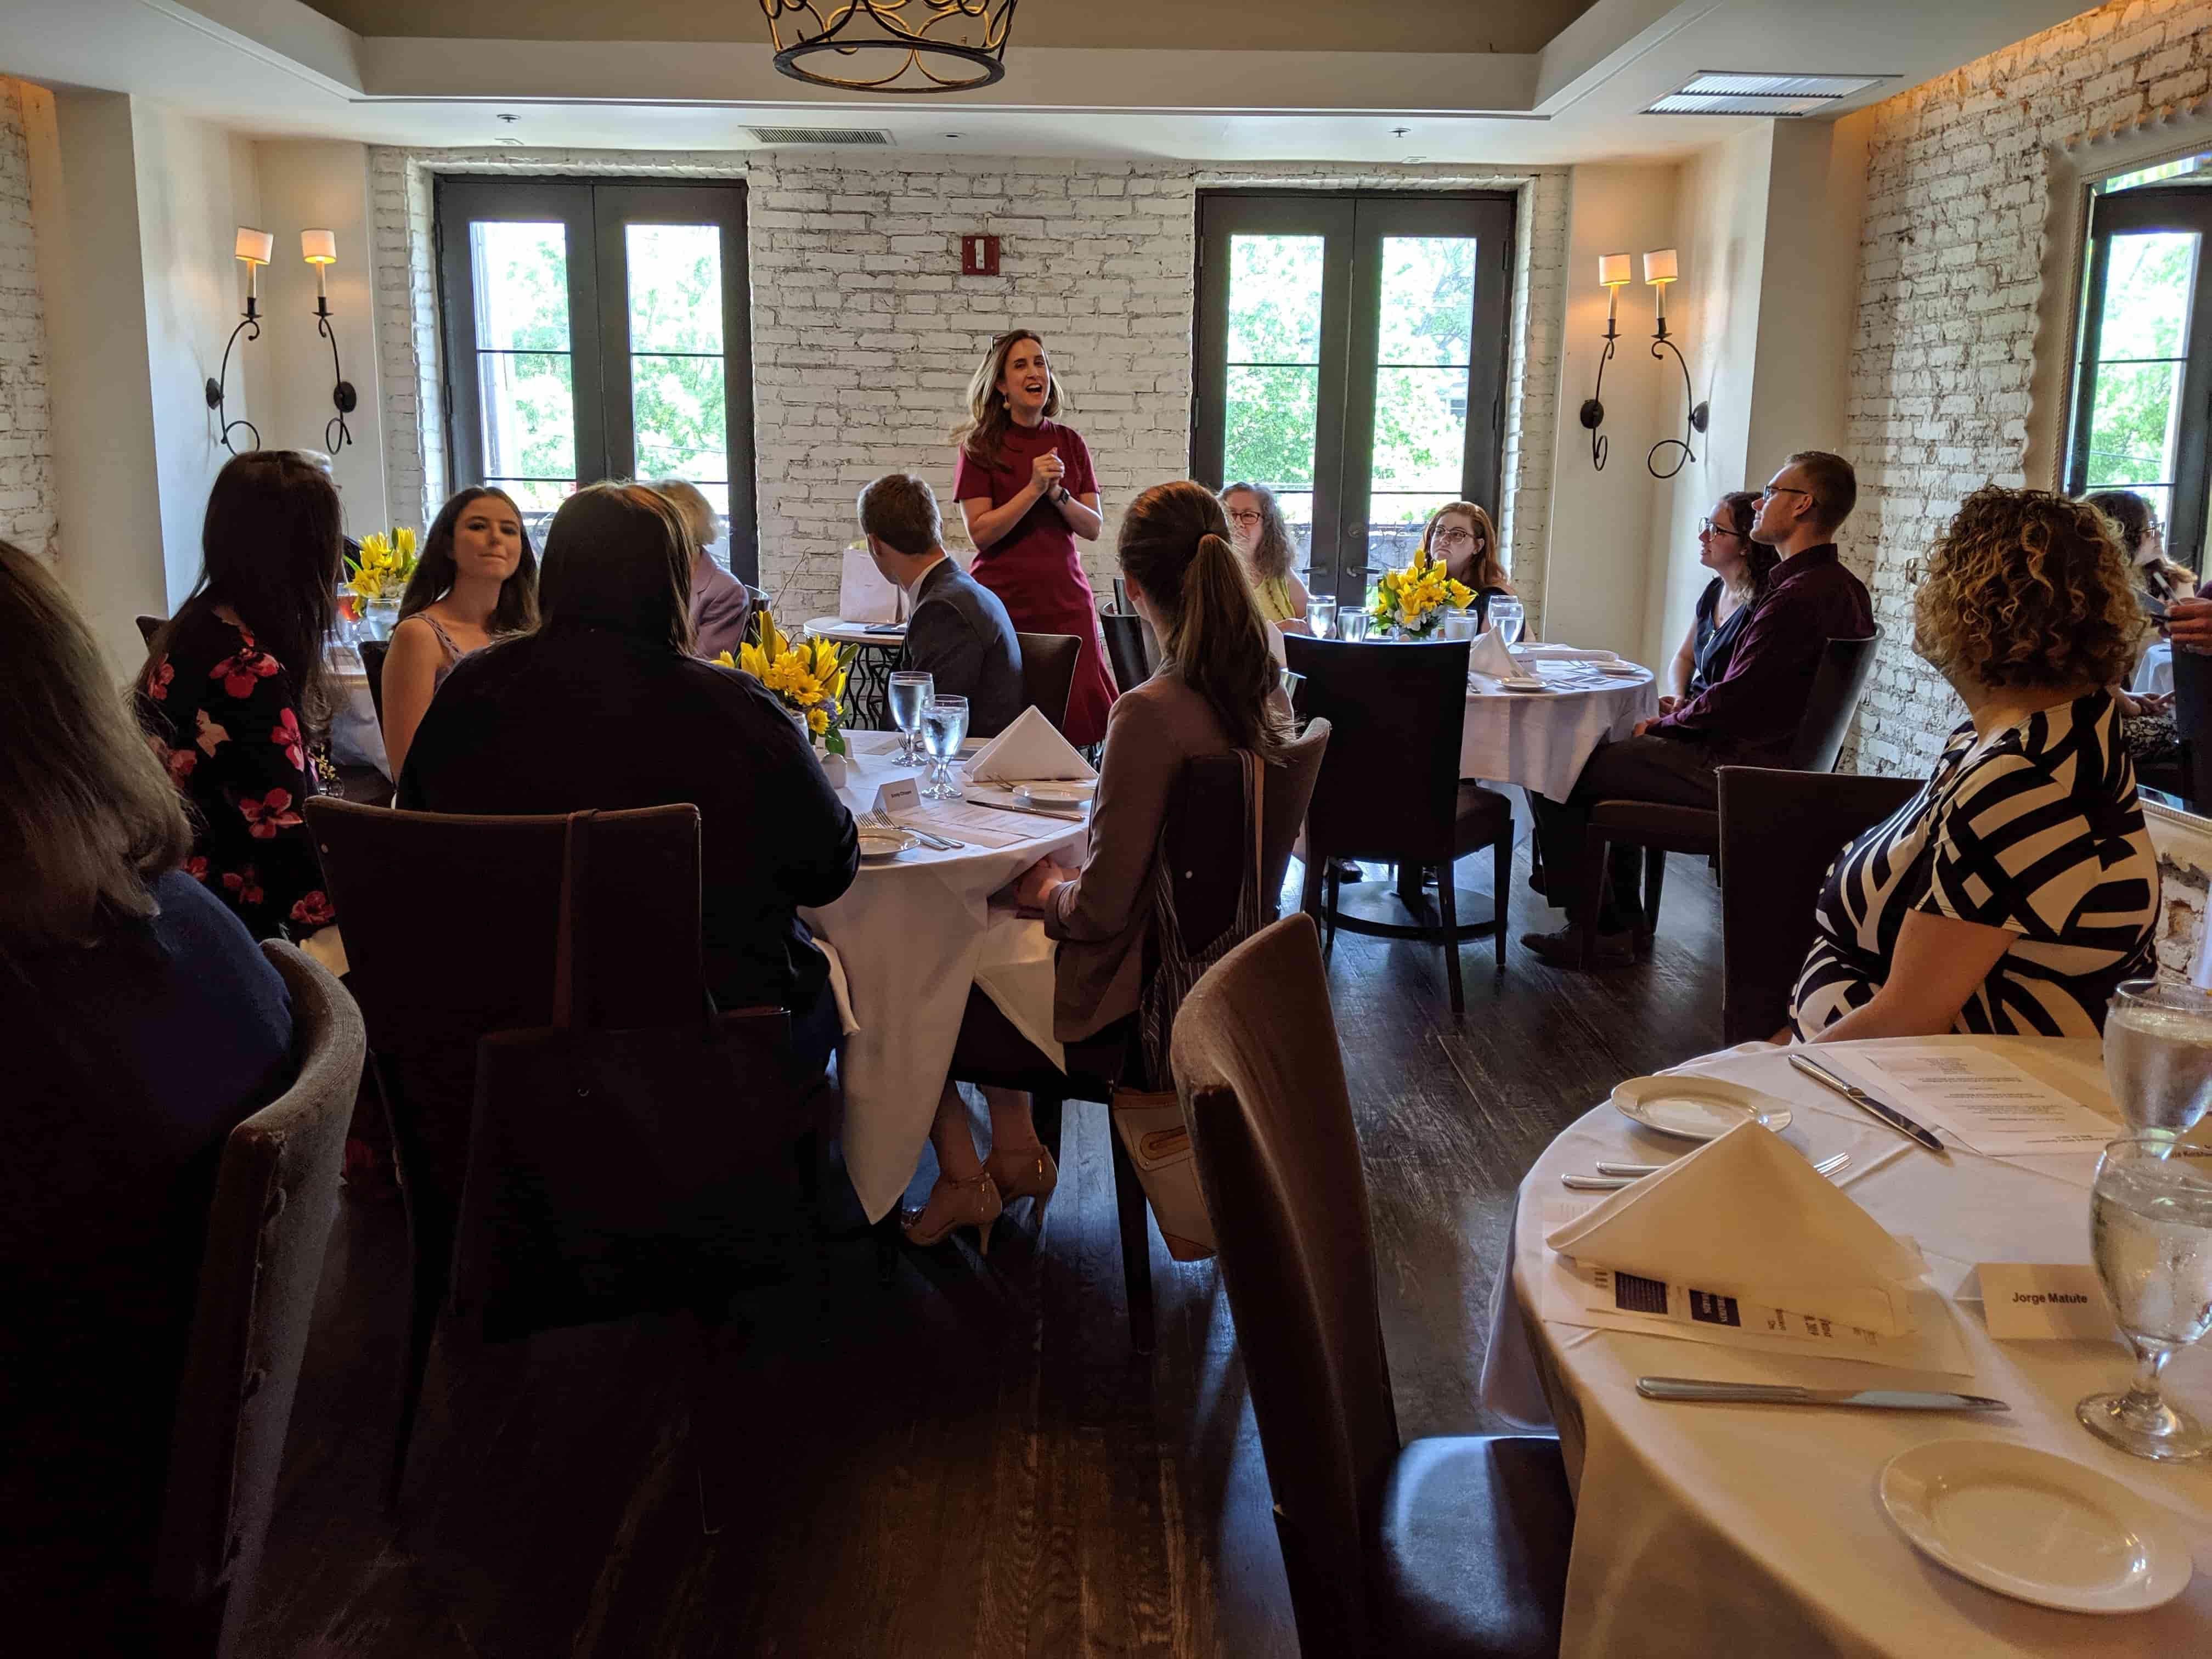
x: 2027, y: 588
x: 1491, y: 572
x: 88, y: 817
x: 1271, y: 559
x: 983, y: 434
x: 699, y: 514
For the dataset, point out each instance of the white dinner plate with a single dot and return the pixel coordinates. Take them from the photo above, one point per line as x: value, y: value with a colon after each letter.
x: 2035, y: 1527
x: 1626, y: 670
x: 882, y: 846
x: 1069, y: 795
x: 1524, y: 682
x: 1696, y: 1108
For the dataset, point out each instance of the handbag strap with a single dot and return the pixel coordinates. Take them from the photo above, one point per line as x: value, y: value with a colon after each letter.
x: 572, y: 937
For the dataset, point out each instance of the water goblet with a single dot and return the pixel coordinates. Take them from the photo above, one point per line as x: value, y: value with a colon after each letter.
x: 1352, y: 625
x: 2158, y: 1055
x: 1321, y: 616
x: 1506, y: 616
x: 943, y: 724
x: 2150, y: 1233
x: 910, y: 693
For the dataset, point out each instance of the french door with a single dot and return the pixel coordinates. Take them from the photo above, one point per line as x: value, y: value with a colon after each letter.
x: 1351, y: 357
x: 598, y: 331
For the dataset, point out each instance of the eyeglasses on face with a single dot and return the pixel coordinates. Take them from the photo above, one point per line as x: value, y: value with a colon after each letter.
x: 1786, y: 489
x: 1707, y: 527
x: 1456, y: 535
x: 1243, y: 515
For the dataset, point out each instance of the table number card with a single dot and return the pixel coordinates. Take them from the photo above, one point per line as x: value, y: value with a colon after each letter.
x: 2027, y: 1300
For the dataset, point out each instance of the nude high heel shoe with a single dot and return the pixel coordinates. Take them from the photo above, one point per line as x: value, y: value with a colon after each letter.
x: 1024, y: 1172
x: 954, y: 1204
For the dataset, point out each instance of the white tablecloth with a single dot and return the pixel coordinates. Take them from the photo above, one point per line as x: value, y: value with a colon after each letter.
x: 1704, y: 1530
x: 910, y: 933
x: 2155, y: 673
x: 1540, y: 740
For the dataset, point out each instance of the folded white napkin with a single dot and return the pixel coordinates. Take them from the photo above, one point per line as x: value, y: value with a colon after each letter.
x: 1490, y: 656
x: 1744, y: 1216
x: 863, y: 595
x: 1029, y: 751
x: 1561, y: 653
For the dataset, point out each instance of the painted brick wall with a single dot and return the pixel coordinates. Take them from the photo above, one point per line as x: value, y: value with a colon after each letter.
x: 864, y: 334
x: 1957, y: 191
x: 27, y: 473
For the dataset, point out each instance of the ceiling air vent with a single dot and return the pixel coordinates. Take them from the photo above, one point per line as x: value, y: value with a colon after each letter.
x: 1730, y: 92
x: 819, y: 135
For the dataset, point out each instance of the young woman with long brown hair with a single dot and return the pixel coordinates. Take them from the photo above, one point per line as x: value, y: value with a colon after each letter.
x: 1027, y: 492
x: 1460, y: 533
x: 1741, y: 566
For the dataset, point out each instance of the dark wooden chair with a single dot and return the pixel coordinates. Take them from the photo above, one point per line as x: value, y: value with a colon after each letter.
x: 1451, y: 1545
x: 1130, y: 651
x: 1208, y: 797
x: 2192, y: 725
x: 1779, y: 832
x: 1659, y: 829
x: 149, y: 626
x: 373, y: 653
x: 275, y: 1195
x: 1390, y: 790
x: 1048, y: 673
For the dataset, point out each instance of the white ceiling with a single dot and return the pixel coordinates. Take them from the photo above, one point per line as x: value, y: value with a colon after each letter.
x: 276, y: 67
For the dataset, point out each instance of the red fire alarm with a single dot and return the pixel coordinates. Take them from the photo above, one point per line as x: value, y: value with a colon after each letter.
x: 979, y: 256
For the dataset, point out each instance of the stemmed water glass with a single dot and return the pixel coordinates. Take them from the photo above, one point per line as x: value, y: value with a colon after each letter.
x: 2158, y: 1055
x: 943, y: 724
x: 2150, y: 1232
x: 910, y: 693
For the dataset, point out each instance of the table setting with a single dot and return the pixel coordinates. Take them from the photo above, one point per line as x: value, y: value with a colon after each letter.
x: 1822, y: 1388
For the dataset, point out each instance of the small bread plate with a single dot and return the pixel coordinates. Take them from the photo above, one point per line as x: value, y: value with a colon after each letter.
x: 2033, y: 1526
x: 1696, y: 1107
x: 1524, y: 682
x: 1627, y: 670
x: 1072, y: 795
x: 882, y: 846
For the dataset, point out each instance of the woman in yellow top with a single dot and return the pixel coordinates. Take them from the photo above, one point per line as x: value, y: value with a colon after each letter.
x: 1263, y: 540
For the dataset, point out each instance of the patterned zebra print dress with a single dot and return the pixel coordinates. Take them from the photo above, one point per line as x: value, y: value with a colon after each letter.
x: 2040, y: 834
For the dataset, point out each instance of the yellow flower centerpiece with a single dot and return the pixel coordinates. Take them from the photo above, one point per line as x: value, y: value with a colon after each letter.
x: 806, y: 676
x: 378, y: 575
x: 1414, y: 600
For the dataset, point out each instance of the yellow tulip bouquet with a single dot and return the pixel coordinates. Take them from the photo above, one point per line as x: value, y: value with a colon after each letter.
x: 806, y: 676
x: 379, y: 575
x: 1414, y: 600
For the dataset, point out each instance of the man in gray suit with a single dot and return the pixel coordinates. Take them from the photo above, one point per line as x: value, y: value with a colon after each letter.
x: 957, y: 631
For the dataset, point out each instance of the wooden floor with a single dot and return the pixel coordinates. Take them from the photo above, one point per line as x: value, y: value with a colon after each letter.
x: 967, y: 1460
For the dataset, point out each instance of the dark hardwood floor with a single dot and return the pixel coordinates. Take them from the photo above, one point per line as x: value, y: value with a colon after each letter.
x: 967, y: 1460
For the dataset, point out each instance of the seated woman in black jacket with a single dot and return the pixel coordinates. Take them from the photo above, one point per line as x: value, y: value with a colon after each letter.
x: 140, y: 1024
x: 605, y: 707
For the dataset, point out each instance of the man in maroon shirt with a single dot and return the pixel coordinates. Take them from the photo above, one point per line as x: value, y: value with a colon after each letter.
x: 1747, y: 718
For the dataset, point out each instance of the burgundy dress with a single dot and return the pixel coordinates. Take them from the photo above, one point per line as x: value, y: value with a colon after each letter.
x: 1034, y: 567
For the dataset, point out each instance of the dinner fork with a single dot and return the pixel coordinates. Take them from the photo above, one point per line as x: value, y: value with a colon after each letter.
x: 1611, y: 1177
x: 876, y: 818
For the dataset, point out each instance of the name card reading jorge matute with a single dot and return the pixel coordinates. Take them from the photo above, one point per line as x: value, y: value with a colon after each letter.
x: 2024, y: 1301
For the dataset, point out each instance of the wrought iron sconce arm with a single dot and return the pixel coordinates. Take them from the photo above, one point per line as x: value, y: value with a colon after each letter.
x: 214, y: 388
x: 1592, y: 415
x: 335, y: 434
x: 1700, y: 414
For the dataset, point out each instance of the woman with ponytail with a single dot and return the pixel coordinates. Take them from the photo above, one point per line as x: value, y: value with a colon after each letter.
x: 1218, y: 689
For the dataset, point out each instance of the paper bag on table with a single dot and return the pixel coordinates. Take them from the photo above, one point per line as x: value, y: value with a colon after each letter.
x: 863, y: 595
x: 1744, y: 1216
x: 1029, y: 751
x: 1489, y: 656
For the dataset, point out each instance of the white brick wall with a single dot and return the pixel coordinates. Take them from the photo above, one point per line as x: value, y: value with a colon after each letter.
x: 1957, y: 191
x: 27, y: 473
x: 864, y: 334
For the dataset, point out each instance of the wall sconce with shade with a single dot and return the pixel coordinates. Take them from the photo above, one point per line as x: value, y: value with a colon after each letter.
x: 252, y: 249
x: 1661, y: 268
x: 319, y: 248
x: 1613, y: 276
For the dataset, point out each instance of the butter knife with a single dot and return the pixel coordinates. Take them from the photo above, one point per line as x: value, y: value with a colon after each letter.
x: 1867, y: 1104
x: 1776, y: 1394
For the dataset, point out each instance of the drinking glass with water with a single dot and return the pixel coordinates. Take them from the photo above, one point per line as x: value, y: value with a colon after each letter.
x: 2150, y: 1233
x: 944, y: 725
x: 2158, y: 1055
x: 1321, y: 616
x: 910, y: 695
x: 1506, y: 616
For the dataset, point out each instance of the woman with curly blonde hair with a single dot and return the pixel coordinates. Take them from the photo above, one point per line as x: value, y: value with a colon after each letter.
x: 1261, y: 537
x: 2018, y: 888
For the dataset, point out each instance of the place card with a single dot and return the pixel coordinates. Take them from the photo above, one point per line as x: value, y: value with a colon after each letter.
x: 2031, y: 1301
x: 1981, y: 1099
x: 899, y: 795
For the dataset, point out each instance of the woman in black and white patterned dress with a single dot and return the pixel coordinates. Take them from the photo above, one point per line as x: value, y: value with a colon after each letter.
x: 2019, y: 887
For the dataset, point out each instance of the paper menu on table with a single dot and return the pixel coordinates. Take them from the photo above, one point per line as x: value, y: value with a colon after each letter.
x: 983, y: 825
x: 1983, y: 1100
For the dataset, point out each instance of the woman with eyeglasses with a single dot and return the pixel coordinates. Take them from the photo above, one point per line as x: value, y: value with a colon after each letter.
x: 1460, y: 534
x: 1263, y: 539
x: 1739, y: 567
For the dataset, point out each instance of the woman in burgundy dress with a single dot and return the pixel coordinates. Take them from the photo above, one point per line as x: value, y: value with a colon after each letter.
x: 1026, y: 491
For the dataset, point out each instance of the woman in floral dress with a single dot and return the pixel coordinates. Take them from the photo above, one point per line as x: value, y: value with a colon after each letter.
x: 231, y: 683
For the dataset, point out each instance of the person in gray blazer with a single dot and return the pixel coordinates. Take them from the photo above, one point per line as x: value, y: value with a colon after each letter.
x: 957, y: 630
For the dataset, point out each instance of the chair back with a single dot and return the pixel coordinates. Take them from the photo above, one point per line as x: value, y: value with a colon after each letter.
x: 1121, y: 596
x: 1202, y: 834
x: 1048, y: 673
x: 275, y: 1195
x: 1836, y: 686
x: 1389, y: 787
x: 1261, y: 1078
x: 371, y: 667
x: 1779, y: 833
x: 1129, y: 648
x: 2192, y: 722
x: 149, y: 626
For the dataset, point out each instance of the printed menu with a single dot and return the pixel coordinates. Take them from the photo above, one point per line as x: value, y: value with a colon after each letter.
x: 1982, y: 1100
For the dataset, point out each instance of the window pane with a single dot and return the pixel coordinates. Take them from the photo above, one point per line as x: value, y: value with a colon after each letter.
x: 675, y: 288
x: 2132, y: 425
x: 1420, y: 429
x: 1270, y: 427
x: 529, y: 414
x: 539, y: 498
x: 2148, y: 284
x: 1274, y: 299
x: 1298, y: 518
x: 682, y: 417
x: 521, y: 273
x: 1428, y: 299
x: 2158, y: 174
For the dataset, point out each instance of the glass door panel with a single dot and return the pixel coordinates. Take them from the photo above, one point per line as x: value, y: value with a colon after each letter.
x: 1424, y: 356
x: 1274, y: 407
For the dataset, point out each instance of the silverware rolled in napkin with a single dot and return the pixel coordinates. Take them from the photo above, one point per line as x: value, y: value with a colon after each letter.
x: 1612, y: 1177
x: 1777, y: 1394
x: 1881, y: 1111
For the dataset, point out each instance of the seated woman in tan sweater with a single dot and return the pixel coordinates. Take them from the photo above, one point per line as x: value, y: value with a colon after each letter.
x: 1217, y: 690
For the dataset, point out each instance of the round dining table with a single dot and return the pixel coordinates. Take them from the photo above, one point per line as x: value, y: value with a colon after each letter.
x: 909, y: 934
x: 1540, y: 740
x: 1710, y: 1530
x: 880, y: 644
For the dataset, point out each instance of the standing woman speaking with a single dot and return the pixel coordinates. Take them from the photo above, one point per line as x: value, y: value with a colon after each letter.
x: 1026, y: 491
